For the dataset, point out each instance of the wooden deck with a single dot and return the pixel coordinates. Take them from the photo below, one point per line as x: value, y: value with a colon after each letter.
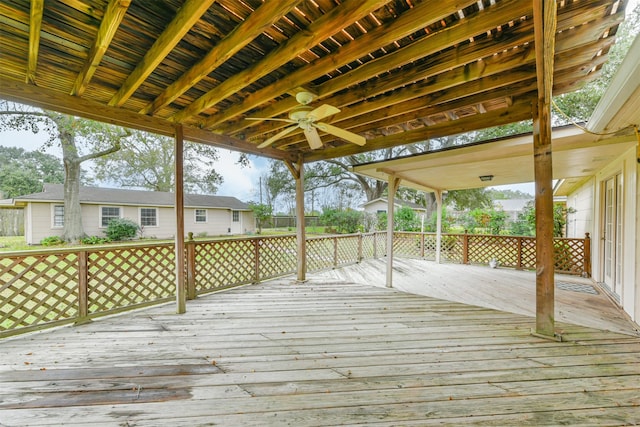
x: 326, y: 352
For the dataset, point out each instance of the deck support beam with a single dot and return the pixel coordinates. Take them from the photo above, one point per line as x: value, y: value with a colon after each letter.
x: 181, y: 294
x: 438, y: 194
x: 394, y: 183
x: 545, y: 22
x: 297, y: 170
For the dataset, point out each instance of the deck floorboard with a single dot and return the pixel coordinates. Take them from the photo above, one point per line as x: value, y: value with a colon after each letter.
x: 330, y: 351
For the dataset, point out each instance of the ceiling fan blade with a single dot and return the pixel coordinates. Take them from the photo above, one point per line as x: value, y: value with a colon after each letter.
x: 314, y: 139
x: 277, y: 136
x: 342, y: 133
x: 322, y: 111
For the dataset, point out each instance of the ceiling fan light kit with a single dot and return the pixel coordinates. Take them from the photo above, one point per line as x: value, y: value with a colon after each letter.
x: 307, y: 118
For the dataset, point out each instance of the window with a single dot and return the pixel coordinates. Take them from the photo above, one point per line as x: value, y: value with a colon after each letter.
x: 148, y: 217
x: 236, y: 216
x: 58, y: 216
x: 201, y: 215
x: 107, y: 213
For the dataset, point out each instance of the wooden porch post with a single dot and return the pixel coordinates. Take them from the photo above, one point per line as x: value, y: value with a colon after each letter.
x: 544, y: 15
x: 181, y: 294
x: 394, y: 182
x: 438, y: 194
x: 297, y: 171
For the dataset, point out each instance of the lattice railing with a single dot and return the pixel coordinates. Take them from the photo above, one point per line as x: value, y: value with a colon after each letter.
x: 51, y: 287
x: 37, y: 289
x: 212, y: 269
x: 119, y: 278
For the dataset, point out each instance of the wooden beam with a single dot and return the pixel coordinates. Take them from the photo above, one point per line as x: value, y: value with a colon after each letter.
x: 110, y: 22
x: 255, y: 24
x: 438, y: 194
x: 185, y: 18
x: 520, y: 110
x: 181, y: 289
x: 382, y: 36
x: 392, y: 188
x: 48, y: 99
x: 301, y: 238
x: 35, y: 26
x: 545, y: 30
x: 324, y: 27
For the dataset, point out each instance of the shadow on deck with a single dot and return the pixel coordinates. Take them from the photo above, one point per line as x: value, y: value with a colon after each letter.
x: 326, y: 352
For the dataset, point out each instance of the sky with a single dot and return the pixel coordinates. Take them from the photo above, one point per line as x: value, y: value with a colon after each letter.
x: 240, y: 182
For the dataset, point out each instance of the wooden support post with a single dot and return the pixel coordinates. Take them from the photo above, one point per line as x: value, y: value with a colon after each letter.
x: 297, y: 171
x: 256, y: 256
x: 335, y: 251
x: 359, y: 247
x: 587, y: 255
x: 181, y: 300
x: 394, y: 183
x: 545, y: 22
x: 375, y: 245
x: 465, y: 247
x: 191, y: 268
x: 519, y: 264
x: 438, y: 194
x: 83, y: 288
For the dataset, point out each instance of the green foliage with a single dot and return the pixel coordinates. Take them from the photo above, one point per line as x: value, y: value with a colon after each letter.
x: 468, y: 199
x: 147, y: 161
x: 526, y: 224
x: 447, y: 222
x: 262, y: 214
x: 490, y: 221
x: 94, y: 240
x: 52, y: 241
x: 343, y: 221
x: 122, y: 229
x: 406, y: 219
x: 23, y: 172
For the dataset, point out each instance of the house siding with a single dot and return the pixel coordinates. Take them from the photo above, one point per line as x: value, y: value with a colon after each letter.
x: 588, y: 201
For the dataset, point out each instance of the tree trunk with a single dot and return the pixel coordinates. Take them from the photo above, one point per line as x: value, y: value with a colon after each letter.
x: 73, y: 229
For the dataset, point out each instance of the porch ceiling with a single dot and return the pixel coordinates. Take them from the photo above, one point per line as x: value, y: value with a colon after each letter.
x: 576, y: 155
x: 400, y: 71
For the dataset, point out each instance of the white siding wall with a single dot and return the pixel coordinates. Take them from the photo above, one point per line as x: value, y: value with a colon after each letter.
x: 581, y: 221
x: 628, y: 166
x: 38, y: 222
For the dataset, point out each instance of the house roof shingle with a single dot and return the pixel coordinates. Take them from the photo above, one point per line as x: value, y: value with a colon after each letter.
x: 94, y: 195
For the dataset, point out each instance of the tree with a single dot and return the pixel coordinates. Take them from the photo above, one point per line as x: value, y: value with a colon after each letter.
x: 148, y: 161
x: 527, y: 219
x: 23, y: 172
x: 262, y: 214
x: 75, y: 136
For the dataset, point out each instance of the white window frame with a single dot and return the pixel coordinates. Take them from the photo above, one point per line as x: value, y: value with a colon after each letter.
x: 235, y: 216
x: 53, y: 216
x: 206, y: 216
x: 157, y: 224
x: 109, y: 207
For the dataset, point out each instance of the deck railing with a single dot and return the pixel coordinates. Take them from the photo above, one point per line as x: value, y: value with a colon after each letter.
x: 45, y: 288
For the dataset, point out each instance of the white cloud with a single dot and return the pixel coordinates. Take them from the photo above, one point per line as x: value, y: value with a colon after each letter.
x: 240, y: 182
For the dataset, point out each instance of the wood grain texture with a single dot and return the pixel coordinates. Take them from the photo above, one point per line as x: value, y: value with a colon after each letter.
x: 326, y: 352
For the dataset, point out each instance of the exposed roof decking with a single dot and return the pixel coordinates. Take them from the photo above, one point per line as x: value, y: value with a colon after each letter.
x: 320, y: 353
x: 401, y: 71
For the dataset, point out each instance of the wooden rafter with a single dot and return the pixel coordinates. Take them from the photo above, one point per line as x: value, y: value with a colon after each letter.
x: 110, y: 22
x: 378, y: 38
x: 262, y: 18
x: 186, y: 17
x: 35, y: 25
x: 348, y: 12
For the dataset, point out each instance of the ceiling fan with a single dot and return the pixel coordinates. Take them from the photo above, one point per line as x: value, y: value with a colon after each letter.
x: 308, y: 119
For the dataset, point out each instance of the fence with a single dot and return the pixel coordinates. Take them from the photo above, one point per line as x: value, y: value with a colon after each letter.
x: 46, y: 288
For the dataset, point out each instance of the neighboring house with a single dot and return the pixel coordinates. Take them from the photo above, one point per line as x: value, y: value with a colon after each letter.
x: 153, y: 211
x: 511, y: 207
x: 380, y: 205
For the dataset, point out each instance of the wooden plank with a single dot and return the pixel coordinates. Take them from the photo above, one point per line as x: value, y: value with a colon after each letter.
x: 179, y: 249
x: 116, y: 9
x: 188, y: 14
x: 301, y: 240
x: 35, y: 26
x: 392, y: 187
x: 328, y: 24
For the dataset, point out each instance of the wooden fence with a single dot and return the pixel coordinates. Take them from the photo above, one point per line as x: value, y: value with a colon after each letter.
x: 45, y: 288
